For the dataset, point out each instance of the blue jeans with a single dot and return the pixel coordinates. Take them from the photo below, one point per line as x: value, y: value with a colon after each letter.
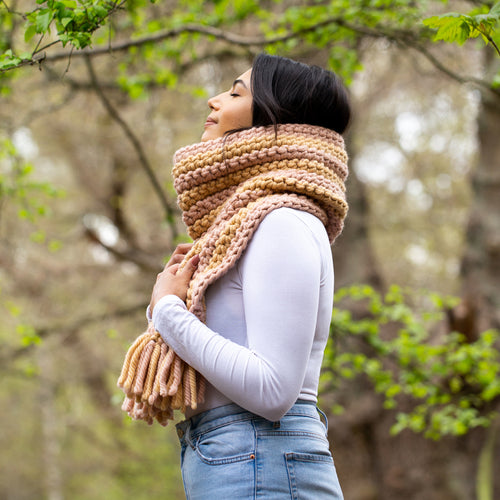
x: 228, y: 453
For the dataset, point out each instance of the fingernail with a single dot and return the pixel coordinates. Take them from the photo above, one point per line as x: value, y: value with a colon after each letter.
x: 195, y: 260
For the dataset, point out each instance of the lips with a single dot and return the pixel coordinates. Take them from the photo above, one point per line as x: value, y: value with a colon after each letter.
x: 210, y: 121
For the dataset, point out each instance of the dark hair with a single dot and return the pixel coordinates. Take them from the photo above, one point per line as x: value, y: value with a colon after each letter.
x: 286, y: 91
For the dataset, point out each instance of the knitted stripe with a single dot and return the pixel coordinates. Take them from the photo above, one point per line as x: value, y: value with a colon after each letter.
x: 226, y: 187
x: 310, y: 151
x: 256, y: 141
x: 190, y: 197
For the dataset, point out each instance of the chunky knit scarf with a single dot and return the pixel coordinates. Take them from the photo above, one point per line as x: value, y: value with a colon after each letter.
x: 225, y: 188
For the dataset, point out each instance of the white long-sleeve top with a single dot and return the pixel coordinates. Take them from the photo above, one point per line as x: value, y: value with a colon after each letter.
x: 267, y: 319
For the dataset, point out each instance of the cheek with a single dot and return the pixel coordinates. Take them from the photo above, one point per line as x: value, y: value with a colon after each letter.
x: 242, y: 116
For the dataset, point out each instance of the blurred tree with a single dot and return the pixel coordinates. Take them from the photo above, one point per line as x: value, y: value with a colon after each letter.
x: 105, y: 246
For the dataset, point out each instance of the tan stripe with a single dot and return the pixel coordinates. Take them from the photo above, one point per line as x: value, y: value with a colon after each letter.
x: 190, y: 197
x: 238, y: 150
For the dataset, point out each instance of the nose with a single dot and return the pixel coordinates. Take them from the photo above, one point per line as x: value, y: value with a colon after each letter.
x: 214, y: 102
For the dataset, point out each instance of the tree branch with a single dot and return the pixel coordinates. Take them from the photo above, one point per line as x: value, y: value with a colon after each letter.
x: 71, y: 327
x: 400, y: 37
x: 490, y: 39
x: 143, y: 160
x: 132, y: 255
x: 455, y: 76
x: 232, y: 38
x: 10, y: 11
x: 409, y: 40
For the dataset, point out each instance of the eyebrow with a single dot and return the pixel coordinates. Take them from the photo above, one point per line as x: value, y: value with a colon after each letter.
x: 239, y: 81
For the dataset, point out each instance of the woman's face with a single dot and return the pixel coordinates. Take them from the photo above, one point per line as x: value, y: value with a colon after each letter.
x: 230, y: 110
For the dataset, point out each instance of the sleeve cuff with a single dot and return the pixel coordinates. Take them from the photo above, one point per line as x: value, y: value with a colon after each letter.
x: 162, y: 304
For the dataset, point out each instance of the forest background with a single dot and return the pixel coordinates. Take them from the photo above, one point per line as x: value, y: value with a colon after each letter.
x: 95, y: 98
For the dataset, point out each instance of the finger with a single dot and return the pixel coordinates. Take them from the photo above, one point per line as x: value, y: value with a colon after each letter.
x: 189, y: 269
x: 182, y: 248
x: 168, y: 270
x: 173, y: 269
x: 175, y: 259
x: 179, y: 253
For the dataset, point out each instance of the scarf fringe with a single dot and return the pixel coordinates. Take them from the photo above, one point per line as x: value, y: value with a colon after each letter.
x: 156, y: 381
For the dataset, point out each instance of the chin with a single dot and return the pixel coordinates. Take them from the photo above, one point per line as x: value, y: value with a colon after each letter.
x: 211, y: 132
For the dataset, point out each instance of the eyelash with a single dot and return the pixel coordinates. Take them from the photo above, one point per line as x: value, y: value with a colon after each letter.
x: 234, y: 95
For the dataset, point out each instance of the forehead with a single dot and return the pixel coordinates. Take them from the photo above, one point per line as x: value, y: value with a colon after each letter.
x: 245, y: 76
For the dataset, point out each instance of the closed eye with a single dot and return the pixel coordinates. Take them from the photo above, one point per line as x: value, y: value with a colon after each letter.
x: 237, y: 82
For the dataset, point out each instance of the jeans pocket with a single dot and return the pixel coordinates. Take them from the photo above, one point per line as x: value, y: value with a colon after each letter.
x: 312, y: 476
x: 234, y: 442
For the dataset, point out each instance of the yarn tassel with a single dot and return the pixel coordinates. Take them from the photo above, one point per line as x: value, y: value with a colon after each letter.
x: 202, y: 384
x: 156, y: 381
x: 164, y: 371
x: 178, y: 398
x: 191, y: 385
x: 128, y: 404
x: 130, y: 366
x: 186, y: 384
x: 128, y: 357
x: 142, y: 368
x: 153, y: 363
x: 155, y: 398
x: 175, y: 376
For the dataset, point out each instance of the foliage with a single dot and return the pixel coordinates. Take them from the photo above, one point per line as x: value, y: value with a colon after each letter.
x: 74, y: 22
x: 455, y: 27
x: 170, y: 32
x: 451, y: 382
x: 160, y: 39
x: 438, y: 383
x: 18, y: 187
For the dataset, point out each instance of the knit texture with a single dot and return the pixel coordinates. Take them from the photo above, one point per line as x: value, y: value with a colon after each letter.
x: 225, y: 188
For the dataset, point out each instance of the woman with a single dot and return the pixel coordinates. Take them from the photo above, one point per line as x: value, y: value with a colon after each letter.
x: 266, y: 185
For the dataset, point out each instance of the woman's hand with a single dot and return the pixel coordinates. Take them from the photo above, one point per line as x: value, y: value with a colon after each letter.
x: 171, y: 281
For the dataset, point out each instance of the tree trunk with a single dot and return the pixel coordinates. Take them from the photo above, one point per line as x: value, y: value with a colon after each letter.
x: 480, y: 270
x: 353, y: 253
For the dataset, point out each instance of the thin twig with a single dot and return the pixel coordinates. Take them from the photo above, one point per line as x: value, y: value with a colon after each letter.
x: 493, y: 43
x: 444, y: 69
x: 132, y: 255
x: 143, y: 160
x: 402, y: 37
x: 45, y: 47
x: 399, y: 36
x: 35, y: 50
x: 226, y: 36
x: 69, y: 63
x: 10, y: 11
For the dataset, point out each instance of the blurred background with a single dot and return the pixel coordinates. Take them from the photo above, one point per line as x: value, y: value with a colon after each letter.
x: 96, y: 96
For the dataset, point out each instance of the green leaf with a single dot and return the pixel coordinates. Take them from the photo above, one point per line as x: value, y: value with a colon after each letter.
x: 496, y: 81
x: 29, y: 33
x: 43, y: 20
x: 495, y: 11
x: 70, y: 4
x: 28, y: 335
x: 65, y: 21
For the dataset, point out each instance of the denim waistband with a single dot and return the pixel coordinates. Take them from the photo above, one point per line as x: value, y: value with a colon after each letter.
x: 232, y: 412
